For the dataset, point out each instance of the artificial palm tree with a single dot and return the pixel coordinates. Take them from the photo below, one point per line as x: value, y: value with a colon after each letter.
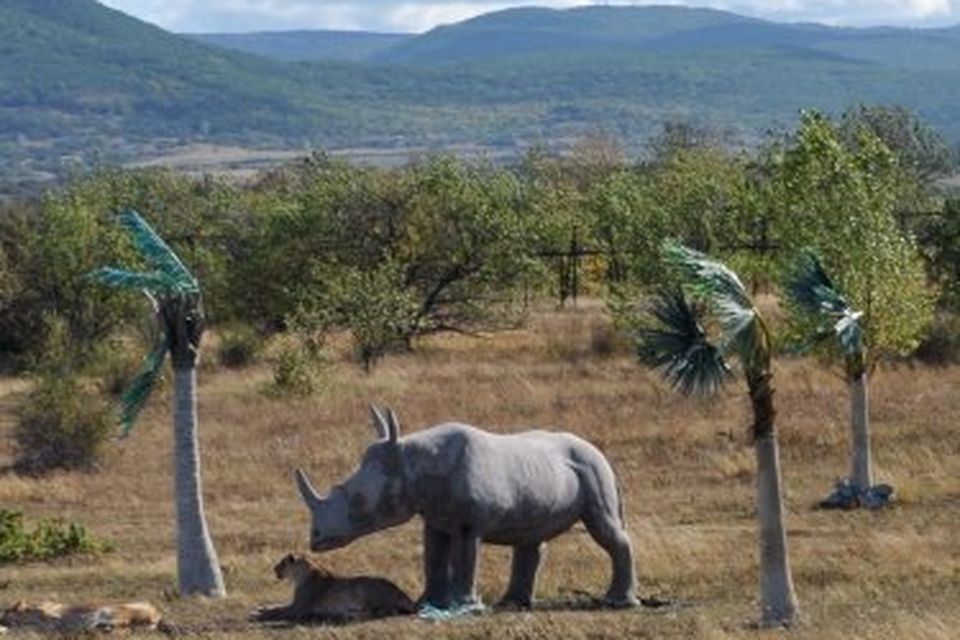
x: 678, y: 344
x: 812, y: 293
x: 177, y: 302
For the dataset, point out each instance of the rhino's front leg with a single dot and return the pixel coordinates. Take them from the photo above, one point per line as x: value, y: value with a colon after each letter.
x: 436, y: 567
x: 523, y: 576
x: 466, y: 544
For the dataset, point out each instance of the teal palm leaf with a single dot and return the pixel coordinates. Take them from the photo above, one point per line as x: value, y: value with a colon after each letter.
x: 708, y: 278
x: 742, y: 330
x: 136, y: 395
x: 158, y: 255
x: 678, y: 345
x: 810, y: 289
x: 168, y: 279
x: 152, y: 281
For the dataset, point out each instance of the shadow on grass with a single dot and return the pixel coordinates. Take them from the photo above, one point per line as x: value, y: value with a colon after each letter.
x: 585, y: 602
x: 578, y: 602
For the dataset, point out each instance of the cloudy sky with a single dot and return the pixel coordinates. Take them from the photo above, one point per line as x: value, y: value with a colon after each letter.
x: 420, y: 15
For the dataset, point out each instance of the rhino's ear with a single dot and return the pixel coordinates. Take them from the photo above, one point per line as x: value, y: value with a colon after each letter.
x: 393, y: 426
x: 379, y: 423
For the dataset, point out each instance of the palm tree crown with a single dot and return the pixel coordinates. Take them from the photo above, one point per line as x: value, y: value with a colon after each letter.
x: 811, y: 291
x: 678, y: 343
x: 167, y: 282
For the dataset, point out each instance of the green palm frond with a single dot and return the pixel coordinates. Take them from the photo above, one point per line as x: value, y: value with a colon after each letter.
x: 168, y: 278
x: 136, y: 395
x: 158, y: 255
x: 678, y: 345
x: 743, y: 331
x: 849, y: 331
x: 707, y: 278
x: 153, y: 281
x: 810, y: 289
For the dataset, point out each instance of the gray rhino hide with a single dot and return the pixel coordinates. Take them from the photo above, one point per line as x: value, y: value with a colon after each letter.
x: 469, y: 485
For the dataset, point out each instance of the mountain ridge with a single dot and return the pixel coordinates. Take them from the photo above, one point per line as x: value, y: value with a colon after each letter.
x: 304, y: 45
x: 82, y: 84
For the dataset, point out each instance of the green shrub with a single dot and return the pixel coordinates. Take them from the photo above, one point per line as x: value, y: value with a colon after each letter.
x: 61, y: 425
x: 239, y: 345
x: 295, y: 373
x: 52, y: 538
x: 117, y: 367
x: 376, y: 308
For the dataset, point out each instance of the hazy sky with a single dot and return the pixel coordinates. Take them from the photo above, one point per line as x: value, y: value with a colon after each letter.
x: 420, y: 15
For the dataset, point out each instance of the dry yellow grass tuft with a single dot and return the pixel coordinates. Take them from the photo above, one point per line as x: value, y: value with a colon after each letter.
x: 686, y: 468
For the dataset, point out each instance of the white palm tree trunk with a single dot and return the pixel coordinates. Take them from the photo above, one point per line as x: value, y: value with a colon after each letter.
x: 861, y: 474
x: 198, y: 570
x: 778, y: 600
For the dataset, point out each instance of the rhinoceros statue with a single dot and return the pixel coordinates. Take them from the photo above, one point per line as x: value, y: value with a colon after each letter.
x: 471, y: 486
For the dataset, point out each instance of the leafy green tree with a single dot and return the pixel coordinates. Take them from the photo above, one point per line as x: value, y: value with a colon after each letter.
x: 919, y: 148
x: 554, y: 204
x: 376, y: 308
x: 177, y: 300
x: 698, y: 190
x: 49, y: 254
x: 464, y: 245
x: 677, y: 343
x: 692, y: 191
x: 938, y: 236
x: 628, y: 226
x: 452, y: 237
x: 56, y: 246
x: 841, y: 204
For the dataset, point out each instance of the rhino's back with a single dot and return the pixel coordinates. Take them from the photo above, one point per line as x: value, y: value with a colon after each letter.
x: 527, y: 485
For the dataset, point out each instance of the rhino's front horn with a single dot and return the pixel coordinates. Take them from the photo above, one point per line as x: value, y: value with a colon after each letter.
x: 309, y: 494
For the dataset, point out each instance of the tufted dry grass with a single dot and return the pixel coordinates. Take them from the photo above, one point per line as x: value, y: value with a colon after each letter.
x: 686, y: 468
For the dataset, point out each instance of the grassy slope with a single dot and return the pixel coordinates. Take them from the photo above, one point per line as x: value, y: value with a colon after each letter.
x: 685, y: 467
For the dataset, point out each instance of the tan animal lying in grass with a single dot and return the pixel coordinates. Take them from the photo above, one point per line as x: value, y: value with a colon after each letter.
x: 56, y: 617
x: 320, y: 596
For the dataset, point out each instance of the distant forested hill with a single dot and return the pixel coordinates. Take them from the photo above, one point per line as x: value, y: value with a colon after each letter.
x: 305, y: 46
x: 81, y: 83
x: 533, y: 31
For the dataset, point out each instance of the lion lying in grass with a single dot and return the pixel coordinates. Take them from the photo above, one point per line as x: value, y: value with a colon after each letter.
x: 320, y: 596
x: 49, y: 617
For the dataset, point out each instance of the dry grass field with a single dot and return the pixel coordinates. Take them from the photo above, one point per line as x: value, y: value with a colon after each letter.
x: 686, y: 467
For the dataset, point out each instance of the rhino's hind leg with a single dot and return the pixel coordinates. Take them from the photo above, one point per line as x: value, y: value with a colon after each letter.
x: 610, y: 534
x: 523, y: 576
